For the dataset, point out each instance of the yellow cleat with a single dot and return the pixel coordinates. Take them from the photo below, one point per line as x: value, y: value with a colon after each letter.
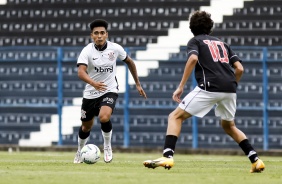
x: 165, y: 162
x: 257, y: 167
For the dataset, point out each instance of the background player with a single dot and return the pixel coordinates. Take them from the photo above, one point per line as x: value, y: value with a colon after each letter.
x: 217, y: 71
x: 97, y: 67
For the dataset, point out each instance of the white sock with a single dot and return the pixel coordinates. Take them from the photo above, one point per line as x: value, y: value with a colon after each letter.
x: 81, y: 142
x: 107, y: 137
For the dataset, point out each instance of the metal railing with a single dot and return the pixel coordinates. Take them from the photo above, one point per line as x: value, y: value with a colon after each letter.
x: 264, y: 55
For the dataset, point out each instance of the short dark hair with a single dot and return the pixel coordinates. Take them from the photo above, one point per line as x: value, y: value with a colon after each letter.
x: 98, y: 23
x: 201, y: 23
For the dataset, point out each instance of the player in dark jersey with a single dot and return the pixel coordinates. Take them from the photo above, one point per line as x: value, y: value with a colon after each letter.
x: 217, y: 71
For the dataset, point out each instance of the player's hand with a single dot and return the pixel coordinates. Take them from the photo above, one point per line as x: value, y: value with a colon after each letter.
x: 177, y: 94
x: 100, y: 86
x: 141, y: 91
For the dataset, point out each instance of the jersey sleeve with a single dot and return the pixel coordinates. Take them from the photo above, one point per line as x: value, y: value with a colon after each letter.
x: 121, y: 52
x: 233, y: 57
x: 192, y: 47
x: 83, y: 57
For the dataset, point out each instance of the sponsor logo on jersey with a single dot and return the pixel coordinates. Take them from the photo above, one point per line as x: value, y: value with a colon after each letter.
x: 95, y: 92
x: 104, y: 69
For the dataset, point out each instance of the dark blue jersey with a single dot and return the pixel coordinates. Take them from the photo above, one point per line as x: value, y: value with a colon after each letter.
x: 214, y: 71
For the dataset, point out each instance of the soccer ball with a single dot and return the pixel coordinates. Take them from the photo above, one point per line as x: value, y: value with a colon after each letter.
x: 90, y: 154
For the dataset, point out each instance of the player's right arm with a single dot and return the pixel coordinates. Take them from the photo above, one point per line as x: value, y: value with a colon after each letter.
x: 239, y: 69
x: 190, y: 65
x: 82, y: 74
x: 82, y: 64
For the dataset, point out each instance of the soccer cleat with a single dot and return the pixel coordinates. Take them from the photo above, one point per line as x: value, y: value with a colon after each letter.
x: 77, y: 158
x: 165, y: 162
x: 257, y: 167
x: 108, y: 154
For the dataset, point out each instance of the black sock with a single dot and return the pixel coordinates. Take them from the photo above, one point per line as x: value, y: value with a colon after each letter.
x: 169, y: 147
x: 81, y: 134
x: 249, y: 150
x: 106, y: 127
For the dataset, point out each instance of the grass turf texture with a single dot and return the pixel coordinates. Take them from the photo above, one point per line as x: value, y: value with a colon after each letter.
x: 57, y: 167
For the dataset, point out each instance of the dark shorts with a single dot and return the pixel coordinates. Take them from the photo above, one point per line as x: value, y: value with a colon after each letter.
x: 91, y: 107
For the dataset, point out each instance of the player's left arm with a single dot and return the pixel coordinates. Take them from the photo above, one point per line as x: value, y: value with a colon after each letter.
x: 239, y: 69
x: 132, y: 68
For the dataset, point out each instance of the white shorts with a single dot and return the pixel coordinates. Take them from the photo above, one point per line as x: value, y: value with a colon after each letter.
x: 199, y: 102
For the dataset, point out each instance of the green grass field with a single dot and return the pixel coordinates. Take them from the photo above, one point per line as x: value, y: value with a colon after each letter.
x: 57, y: 167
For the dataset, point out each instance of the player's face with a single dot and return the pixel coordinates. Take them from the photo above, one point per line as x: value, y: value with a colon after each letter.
x: 99, y: 35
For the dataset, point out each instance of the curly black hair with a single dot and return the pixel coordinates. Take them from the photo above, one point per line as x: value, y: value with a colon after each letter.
x: 201, y: 23
x: 98, y: 23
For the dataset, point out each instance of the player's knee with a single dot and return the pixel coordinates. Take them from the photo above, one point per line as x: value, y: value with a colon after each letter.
x: 173, y: 117
x: 228, y: 126
x: 86, y: 128
x: 104, y: 117
x: 177, y: 115
x: 87, y: 125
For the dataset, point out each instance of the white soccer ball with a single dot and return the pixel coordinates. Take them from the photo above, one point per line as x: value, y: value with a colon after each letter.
x: 90, y: 154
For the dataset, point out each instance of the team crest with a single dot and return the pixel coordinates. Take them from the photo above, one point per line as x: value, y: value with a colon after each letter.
x: 111, y: 56
x: 83, y: 114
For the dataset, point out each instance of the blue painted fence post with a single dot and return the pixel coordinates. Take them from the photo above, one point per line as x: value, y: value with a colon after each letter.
x: 265, y: 100
x: 126, y: 110
x: 60, y: 92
